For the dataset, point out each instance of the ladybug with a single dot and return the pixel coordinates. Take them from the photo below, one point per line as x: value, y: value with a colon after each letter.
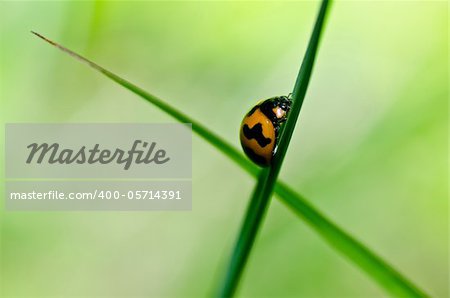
x: 260, y: 127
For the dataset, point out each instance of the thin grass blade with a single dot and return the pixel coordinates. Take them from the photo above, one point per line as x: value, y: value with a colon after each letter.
x: 385, y: 275
x: 264, y: 188
x: 375, y: 267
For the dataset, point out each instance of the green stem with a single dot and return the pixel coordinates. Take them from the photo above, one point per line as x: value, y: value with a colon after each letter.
x: 268, y: 177
x: 386, y: 276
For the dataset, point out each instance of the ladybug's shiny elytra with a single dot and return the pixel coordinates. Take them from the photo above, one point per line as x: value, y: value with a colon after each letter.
x: 259, y: 129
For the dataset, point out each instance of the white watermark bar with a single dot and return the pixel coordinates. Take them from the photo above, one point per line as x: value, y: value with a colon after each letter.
x: 98, y: 167
x: 98, y: 195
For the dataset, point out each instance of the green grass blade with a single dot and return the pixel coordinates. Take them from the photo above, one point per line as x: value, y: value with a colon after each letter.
x: 201, y: 130
x: 383, y: 274
x: 246, y: 237
x: 364, y: 258
x: 268, y: 178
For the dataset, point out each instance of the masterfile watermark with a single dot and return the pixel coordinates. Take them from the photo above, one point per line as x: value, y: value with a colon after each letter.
x: 99, y: 150
x: 52, y: 154
x: 98, y: 195
x: 98, y: 166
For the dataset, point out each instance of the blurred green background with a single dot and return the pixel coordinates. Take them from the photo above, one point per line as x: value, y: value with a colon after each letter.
x: 370, y: 148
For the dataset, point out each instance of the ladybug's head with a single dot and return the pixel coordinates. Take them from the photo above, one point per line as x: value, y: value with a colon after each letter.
x: 284, y: 103
x: 276, y: 109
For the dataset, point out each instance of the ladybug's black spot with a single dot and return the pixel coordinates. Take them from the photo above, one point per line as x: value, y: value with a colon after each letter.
x: 258, y: 159
x: 252, y: 110
x: 256, y: 133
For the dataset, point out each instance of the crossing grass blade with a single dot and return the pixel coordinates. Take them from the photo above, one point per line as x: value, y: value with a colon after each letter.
x: 376, y: 268
x: 268, y: 177
x: 379, y: 270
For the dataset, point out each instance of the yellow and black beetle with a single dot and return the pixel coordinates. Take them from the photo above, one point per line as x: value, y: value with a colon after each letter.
x: 259, y: 129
